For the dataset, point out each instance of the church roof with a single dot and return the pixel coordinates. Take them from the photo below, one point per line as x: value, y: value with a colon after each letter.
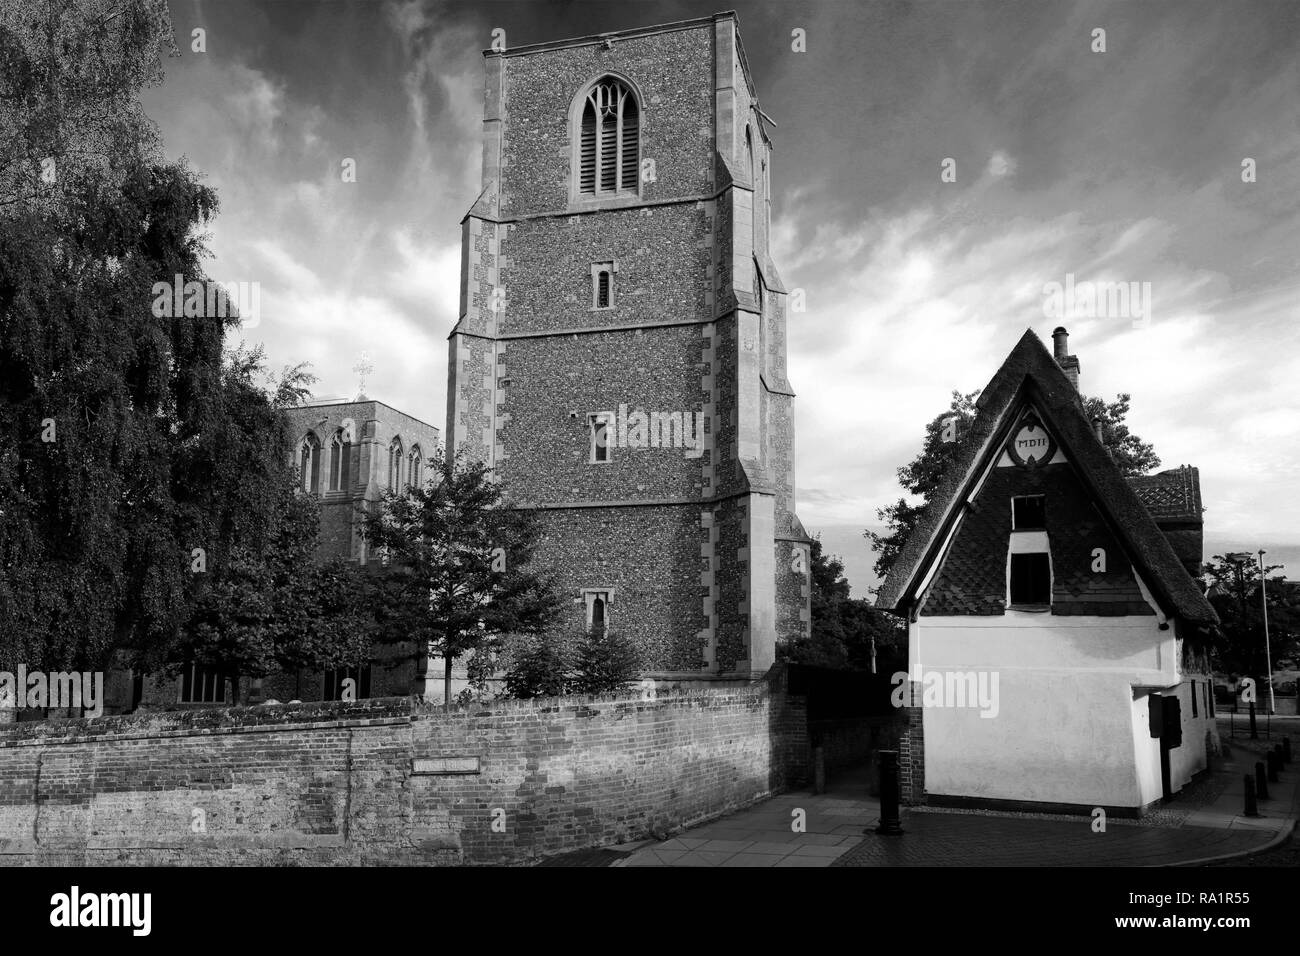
x: 1031, y: 374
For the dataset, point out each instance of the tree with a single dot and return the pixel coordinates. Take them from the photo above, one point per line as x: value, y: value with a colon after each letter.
x: 70, y: 78
x: 1131, y: 454
x: 604, y: 662
x: 278, y: 610
x: 105, y: 489
x: 846, y: 632
x: 1234, y: 592
x: 541, y: 667
x: 107, y: 404
x: 922, y: 476
x: 262, y: 602
x: 144, y: 500
x: 459, y: 578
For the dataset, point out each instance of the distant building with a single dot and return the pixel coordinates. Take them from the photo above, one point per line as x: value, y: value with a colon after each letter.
x: 347, y: 454
x: 1058, y: 640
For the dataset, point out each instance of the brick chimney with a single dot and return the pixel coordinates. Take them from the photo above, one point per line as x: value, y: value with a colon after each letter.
x: 1060, y: 351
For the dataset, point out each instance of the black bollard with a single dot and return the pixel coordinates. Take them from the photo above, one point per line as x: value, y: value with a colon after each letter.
x: 1254, y: 735
x: 1286, y: 749
x: 1261, y: 783
x: 889, y: 794
x: 819, y: 769
x: 1272, y: 766
x: 1252, y: 807
x: 1281, y: 757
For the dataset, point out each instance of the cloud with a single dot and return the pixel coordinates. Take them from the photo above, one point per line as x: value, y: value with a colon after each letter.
x: 1000, y: 164
x: 1116, y: 167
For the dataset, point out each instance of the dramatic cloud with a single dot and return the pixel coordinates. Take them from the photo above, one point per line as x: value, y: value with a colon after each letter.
x: 1121, y: 167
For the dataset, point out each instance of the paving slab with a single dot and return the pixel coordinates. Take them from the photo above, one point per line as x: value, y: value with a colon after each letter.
x: 838, y: 830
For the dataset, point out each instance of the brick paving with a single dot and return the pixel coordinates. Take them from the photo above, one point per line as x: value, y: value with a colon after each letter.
x: 1217, y: 829
x: 953, y: 839
x: 838, y: 825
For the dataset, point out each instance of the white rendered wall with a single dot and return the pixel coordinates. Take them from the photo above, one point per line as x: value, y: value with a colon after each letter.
x: 1067, y: 729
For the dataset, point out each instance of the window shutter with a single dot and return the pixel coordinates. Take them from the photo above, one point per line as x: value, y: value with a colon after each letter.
x: 609, y: 145
x: 631, y: 139
x: 608, y: 153
x: 587, y: 159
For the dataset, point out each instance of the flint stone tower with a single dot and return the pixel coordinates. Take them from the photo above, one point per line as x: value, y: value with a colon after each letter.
x: 615, y: 276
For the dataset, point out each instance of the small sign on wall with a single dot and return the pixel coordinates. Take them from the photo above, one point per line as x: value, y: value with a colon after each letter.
x: 1030, y: 443
x: 444, y: 765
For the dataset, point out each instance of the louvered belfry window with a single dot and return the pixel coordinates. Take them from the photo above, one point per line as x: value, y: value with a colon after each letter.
x: 611, y: 127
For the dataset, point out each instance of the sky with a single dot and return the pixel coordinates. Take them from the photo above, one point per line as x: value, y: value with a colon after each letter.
x: 1065, y: 162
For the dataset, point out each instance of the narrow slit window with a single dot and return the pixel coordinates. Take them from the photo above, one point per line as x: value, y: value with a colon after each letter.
x: 598, y: 603
x: 602, y: 285
x: 600, y: 438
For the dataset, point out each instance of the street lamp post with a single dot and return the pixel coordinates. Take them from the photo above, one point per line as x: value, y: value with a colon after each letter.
x: 1268, y: 655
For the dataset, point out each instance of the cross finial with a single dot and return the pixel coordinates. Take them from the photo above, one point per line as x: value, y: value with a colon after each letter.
x: 363, y: 368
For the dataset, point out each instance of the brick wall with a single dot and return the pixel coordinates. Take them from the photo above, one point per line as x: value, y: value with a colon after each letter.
x: 911, y: 756
x: 351, y: 784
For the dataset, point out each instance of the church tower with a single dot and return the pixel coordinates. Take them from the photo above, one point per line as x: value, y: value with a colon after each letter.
x: 620, y: 355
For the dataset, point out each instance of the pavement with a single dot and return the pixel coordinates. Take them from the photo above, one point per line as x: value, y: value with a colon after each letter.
x: 793, y: 829
x: 836, y: 828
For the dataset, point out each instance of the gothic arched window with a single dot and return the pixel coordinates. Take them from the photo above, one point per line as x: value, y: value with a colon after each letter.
x: 340, y: 455
x: 309, y: 463
x: 609, y: 140
x: 395, y: 464
x: 414, y: 467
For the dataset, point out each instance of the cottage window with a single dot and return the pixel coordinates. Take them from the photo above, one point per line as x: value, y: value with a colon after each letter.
x: 1031, y: 580
x: 1029, y: 513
